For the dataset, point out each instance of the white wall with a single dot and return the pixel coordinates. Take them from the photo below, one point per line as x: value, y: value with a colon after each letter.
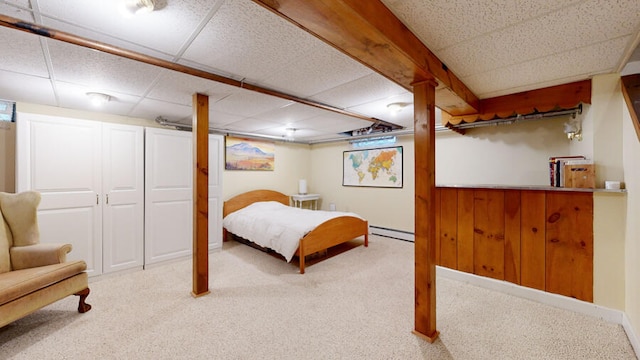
x: 631, y: 161
x: 292, y: 162
x: 514, y: 154
x: 387, y: 207
x: 606, y: 113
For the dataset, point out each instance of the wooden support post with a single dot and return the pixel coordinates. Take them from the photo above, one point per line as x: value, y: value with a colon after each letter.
x: 425, y: 210
x: 200, y: 132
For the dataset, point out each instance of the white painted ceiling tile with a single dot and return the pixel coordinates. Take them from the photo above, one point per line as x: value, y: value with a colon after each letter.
x: 290, y: 114
x: 219, y: 119
x: 245, y: 39
x: 103, y: 38
x: 88, y: 67
x: 165, y: 29
x: 249, y: 103
x: 281, y: 131
x: 22, y: 53
x: 540, y: 37
x: 26, y: 88
x: 379, y: 108
x: 19, y: 9
x: 322, y: 68
x: 331, y: 122
x: 360, y: 91
x: 596, y: 59
x: 75, y: 97
x: 443, y: 23
x: 250, y: 124
x: 151, y: 109
x: 179, y: 88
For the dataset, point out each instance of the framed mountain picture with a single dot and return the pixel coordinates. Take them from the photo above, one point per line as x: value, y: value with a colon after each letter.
x: 249, y: 154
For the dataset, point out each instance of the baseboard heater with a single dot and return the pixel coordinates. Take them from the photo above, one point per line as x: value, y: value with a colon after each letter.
x: 391, y: 233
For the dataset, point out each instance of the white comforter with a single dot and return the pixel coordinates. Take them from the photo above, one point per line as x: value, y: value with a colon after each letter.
x: 276, y: 226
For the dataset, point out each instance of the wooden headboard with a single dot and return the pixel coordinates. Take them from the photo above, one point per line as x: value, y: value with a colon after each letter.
x: 240, y: 201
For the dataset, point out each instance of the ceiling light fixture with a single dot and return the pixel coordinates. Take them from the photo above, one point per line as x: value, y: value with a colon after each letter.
x: 98, y: 99
x: 289, y: 132
x: 396, y: 107
x: 135, y: 7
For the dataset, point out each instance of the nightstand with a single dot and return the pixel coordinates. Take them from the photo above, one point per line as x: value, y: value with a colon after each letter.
x: 299, y: 199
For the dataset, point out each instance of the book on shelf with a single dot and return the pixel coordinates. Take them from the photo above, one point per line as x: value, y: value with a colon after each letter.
x: 556, y: 168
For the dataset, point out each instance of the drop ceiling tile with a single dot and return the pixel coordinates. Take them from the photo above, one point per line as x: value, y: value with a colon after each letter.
x: 572, y: 28
x: 20, y: 9
x: 74, y: 64
x: 378, y: 109
x: 166, y: 29
x: 75, y: 97
x: 179, y: 88
x: 106, y: 39
x: 431, y: 21
x: 333, y: 123
x: 290, y: 114
x: 558, y: 69
x: 245, y: 39
x: 250, y: 125
x: 320, y: 69
x: 151, y: 109
x: 249, y: 103
x: 22, y: 53
x: 26, y: 88
x: 298, y: 135
x: 218, y: 120
x: 360, y: 91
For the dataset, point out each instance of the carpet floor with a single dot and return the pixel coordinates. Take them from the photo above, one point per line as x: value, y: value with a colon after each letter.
x: 355, y: 305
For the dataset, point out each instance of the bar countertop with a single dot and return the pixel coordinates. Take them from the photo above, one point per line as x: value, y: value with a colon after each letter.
x: 529, y: 187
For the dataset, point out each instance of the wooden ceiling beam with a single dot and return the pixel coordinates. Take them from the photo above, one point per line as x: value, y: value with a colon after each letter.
x: 631, y: 92
x: 371, y: 34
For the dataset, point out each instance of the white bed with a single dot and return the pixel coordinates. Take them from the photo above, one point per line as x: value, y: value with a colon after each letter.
x: 264, y: 218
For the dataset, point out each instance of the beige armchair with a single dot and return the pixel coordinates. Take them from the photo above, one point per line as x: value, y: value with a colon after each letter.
x: 33, y: 275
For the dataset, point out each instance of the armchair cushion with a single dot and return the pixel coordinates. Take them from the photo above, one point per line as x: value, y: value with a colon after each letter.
x: 6, y: 240
x: 20, y: 212
x: 18, y: 283
x: 23, y: 257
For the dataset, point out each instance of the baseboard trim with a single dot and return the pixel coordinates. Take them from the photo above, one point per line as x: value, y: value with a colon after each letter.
x: 631, y: 334
x: 391, y: 233
x: 543, y: 297
x: 562, y: 302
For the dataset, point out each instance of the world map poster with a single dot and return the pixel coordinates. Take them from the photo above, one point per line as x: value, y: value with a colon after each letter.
x: 373, y: 167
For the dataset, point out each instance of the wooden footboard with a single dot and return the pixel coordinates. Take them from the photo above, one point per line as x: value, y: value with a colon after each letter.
x: 331, y: 233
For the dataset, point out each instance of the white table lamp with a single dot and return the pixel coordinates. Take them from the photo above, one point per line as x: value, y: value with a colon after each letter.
x: 302, y: 187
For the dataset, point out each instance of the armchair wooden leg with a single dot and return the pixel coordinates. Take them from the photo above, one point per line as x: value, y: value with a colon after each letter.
x: 82, y: 306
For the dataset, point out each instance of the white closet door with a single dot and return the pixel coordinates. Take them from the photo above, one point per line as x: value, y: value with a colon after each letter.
x: 168, y: 183
x: 123, y: 196
x: 216, y: 152
x: 60, y: 158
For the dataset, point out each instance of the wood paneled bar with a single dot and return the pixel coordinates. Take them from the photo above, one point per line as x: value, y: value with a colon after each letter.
x: 538, y: 237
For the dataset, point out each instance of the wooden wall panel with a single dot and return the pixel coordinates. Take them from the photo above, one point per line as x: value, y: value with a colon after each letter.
x: 532, y: 239
x: 489, y: 233
x: 569, y: 244
x: 438, y: 216
x: 512, y: 236
x: 448, y: 228
x: 465, y: 229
